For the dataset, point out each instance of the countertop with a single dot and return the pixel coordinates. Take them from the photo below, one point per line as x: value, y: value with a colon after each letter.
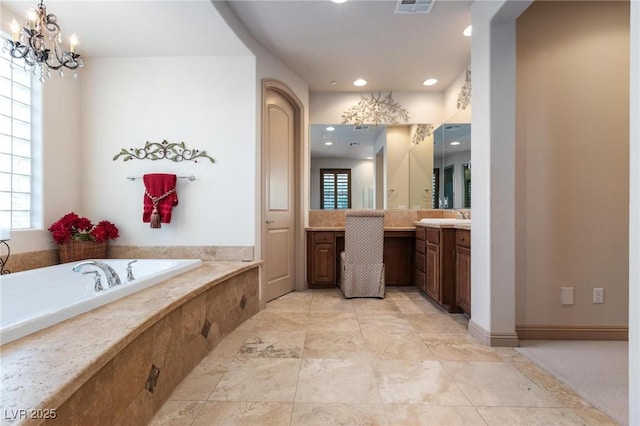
x: 445, y: 224
x: 43, y: 369
x: 341, y: 228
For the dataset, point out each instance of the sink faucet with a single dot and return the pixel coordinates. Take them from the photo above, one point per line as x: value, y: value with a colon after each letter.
x: 460, y: 214
x: 112, y: 276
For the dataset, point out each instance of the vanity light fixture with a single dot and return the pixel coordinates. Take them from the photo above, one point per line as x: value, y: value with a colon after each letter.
x: 430, y: 81
x: 38, y: 43
x: 467, y: 31
x: 330, y: 129
x: 360, y: 82
x: 455, y: 143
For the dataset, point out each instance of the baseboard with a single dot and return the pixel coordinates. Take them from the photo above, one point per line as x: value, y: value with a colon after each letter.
x: 493, y: 339
x: 572, y: 332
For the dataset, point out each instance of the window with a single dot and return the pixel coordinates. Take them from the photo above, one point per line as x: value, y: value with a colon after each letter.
x: 435, y: 189
x: 15, y: 144
x: 335, y: 188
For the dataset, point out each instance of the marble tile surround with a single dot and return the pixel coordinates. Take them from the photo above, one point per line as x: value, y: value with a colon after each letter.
x: 307, y: 371
x: 40, y: 259
x: 392, y: 218
x: 101, y: 377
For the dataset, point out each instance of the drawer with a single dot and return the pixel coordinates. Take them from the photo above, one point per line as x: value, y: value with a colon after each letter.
x: 463, y: 238
x: 433, y: 235
x: 421, y: 246
x: 420, y: 262
x: 323, y: 237
x: 420, y: 232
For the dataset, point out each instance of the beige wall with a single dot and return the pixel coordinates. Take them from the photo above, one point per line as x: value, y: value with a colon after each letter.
x: 397, y: 161
x: 420, y: 172
x: 572, y: 172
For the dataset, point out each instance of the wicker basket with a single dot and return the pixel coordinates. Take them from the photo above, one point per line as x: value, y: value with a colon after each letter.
x: 78, y: 250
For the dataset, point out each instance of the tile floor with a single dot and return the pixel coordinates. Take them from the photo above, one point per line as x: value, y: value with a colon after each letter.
x: 315, y: 358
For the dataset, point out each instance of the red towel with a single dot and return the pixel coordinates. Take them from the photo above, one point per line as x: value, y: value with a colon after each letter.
x: 162, y: 187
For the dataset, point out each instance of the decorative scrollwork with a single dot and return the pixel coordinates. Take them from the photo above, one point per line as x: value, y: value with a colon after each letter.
x: 422, y: 131
x: 464, y: 97
x: 375, y: 110
x: 176, y: 152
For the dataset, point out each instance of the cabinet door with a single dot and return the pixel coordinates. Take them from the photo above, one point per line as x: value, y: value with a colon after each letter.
x: 433, y: 272
x: 463, y: 278
x: 323, y: 264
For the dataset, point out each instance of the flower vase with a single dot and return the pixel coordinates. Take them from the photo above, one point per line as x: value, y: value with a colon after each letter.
x: 75, y: 250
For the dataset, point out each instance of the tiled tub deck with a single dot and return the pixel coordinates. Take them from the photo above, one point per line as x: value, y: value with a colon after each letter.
x: 118, y: 364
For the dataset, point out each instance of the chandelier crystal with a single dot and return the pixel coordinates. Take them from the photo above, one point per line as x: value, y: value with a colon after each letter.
x: 38, y: 43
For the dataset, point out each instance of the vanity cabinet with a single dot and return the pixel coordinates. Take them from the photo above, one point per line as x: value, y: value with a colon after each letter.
x: 420, y: 277
x: 463, y: 270
x: 439, y: 269
x: 323, y: 257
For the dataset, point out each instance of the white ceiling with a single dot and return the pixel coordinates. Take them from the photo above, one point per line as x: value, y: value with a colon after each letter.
x: 320, y: 40
x: 323, y: 41
x: 111, y: 28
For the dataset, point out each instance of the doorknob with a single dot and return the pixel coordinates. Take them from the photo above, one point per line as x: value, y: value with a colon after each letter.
x: 269, y: 221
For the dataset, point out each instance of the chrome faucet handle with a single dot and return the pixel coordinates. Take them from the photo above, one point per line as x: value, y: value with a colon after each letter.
x: 130, y: 276
x: 97, y: 284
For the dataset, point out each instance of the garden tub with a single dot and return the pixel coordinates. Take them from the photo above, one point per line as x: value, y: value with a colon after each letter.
x: 39, y: 298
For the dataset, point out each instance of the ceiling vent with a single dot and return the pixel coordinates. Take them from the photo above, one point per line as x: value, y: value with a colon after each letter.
x: 365, y: 128
x: 354, y: 144
x: 414, y: 6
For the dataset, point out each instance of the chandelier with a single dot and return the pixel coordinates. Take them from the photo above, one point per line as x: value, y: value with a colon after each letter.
x: 38, y: 43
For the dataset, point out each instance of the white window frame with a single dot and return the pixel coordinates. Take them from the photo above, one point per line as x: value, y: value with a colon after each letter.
x: 35, y: 185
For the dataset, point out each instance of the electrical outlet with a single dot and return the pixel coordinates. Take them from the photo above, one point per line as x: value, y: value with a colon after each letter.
x: 566, y: 295
x: 598, y: 295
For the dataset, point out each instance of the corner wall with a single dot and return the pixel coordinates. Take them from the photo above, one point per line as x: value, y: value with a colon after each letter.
x: 572, y: 166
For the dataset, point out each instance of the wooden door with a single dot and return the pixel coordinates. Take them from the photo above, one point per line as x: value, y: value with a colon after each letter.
x: 433, y: 271
x: 463, y: 278
x: 278, y: 153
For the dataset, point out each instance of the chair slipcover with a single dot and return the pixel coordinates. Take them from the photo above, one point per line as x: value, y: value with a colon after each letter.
x: 361, y: 262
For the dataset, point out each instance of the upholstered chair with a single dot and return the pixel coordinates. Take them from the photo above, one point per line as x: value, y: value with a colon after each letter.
x: 361, y: 262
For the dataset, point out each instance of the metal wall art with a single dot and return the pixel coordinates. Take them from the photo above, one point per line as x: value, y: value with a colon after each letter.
x: 422, y: 131
x: 464, y: 97
x: 375, y: 111
x: 176, y: 152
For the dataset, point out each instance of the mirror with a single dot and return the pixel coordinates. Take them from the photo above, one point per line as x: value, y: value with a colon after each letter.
x: 453, y: 179
x: 391, y: 167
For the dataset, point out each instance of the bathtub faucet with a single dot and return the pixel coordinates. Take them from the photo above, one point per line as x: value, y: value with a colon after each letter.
x: 130, y: 276
x: 112, y: 276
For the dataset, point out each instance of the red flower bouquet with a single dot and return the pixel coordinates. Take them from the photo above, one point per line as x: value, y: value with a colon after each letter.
x: 72, y: 227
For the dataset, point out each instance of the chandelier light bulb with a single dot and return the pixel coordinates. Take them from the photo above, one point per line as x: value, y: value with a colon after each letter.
x: 15, y: 30
x: 73, y: 42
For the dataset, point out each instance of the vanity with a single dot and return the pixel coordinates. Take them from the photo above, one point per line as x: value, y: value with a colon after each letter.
x: 443, y: 262
x: 324, y: 245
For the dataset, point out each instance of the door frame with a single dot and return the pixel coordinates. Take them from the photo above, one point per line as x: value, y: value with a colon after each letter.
x: 298, y: 164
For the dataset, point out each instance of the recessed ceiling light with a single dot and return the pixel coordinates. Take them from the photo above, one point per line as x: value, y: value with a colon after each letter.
x: 455, y: 143
x: 339, y: 1
x: 330, y: 129
x: 328, y: 143
x: 430, y: 82
x: 369, y: 158
x: 467, y: 31
x: 333, y: 83
x: 360, y: 82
